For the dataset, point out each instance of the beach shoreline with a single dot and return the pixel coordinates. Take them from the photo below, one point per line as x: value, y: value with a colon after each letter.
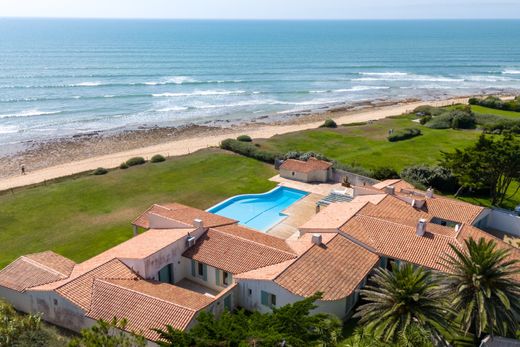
x: 69, y: 156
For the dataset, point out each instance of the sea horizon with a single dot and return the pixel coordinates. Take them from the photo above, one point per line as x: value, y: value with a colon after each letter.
x: 61, y: 77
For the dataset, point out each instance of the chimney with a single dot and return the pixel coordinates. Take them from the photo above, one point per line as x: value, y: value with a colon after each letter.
x: 421, y: 227
x: 197, y: 223
x: 390, y: 190
x: 316, y: 239
x: 457, y: 228
x: 412, y: 203
x: 429, y: 193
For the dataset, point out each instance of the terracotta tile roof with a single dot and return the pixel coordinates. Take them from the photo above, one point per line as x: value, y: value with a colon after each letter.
x: 256, y: 236
x: 386, y: 183
x: 79, y: 290
x: 183, y: 214
x: 142, y: 311
x: 267, y: 273
x: 235, y: 254
x: 35, y: 269
x: 333, y: 216
x: 335, y: 268
x: 310, y: 165
x: 454, y: 210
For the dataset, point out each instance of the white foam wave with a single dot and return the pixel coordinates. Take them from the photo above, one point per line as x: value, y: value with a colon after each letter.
x: 410, y: 78
x: 172, y: 109
x: 8, y: 129
x: 201, y: 93
x: 511, y: 72
x: 383, y: 73
x: 108, y: 96
x: 85, y: 84
x: 28, y: 113
x: 360, y: 89
x: 172, y: 80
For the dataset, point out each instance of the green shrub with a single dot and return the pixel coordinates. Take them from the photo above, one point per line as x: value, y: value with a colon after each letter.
x: 135, y: 161
x: 463, y: 120
x: 425, y: 119
x: 157, y: 158
x: 427, y: 110
x: 354, y: 124
x: 437, y: 177
x: 248, y: 149
x: 440, y: 122
x: 329, y: 123
x: 404, y: 134
x: 123, y: 166
x: 245, y: 138
x: 100, y: 171
x: 497, y: 103
x: 304, y: 156
x: 384, y: 173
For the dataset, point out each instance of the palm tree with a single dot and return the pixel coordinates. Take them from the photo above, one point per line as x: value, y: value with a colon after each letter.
x: 484, y: 287
x: 401, y: 300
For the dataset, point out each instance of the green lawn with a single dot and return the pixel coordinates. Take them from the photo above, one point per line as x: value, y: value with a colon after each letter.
x: 367, y: 145
x: 81, y: 217
x: 486, y: 110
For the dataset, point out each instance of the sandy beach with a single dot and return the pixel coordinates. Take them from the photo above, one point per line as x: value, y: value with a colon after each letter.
x: 52, y: 160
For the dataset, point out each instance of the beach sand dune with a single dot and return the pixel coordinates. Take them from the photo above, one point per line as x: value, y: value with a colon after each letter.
x: 193, y: 143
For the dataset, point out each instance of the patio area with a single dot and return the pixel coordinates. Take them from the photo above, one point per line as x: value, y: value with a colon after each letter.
x: 195, y: 287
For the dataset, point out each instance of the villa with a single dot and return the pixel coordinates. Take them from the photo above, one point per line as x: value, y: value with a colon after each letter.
x: 182, y: 261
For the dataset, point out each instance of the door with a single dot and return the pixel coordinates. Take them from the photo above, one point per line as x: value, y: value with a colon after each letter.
x: 166, y: 274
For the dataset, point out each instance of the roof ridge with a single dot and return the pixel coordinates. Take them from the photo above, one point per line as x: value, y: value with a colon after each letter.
x: 42, y: 266
x: 301, y: 255
x: 255, y: 242
x: 138, y: 292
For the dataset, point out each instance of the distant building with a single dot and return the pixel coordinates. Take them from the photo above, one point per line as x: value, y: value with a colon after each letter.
x: 312, y: 170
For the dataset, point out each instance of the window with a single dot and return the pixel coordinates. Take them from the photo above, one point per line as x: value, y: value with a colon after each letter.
x: 268, y: 299
x: 250, y: 292
x: 226, y: 278
x: 200, y: 269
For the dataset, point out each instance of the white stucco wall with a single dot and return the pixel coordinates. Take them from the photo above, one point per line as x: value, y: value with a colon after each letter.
x: 211, y: 281
x: 283, y: 297
x: 297, y: 176
x: 313, y: 176
x: 503, y: 221
x: 20, y: 301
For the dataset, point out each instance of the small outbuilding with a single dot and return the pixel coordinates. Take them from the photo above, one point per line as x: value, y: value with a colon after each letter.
x: 312, y: 170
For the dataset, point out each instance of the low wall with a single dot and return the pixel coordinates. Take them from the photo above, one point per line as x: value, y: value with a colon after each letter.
x: 505, y: 221
x: 354, y: 179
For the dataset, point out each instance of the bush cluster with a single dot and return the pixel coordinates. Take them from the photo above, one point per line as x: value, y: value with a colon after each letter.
x: 135, y: 161
x: 329, y: 123
x: 157, y: 158
x: 404, y: 134
x: 437, y: 177
x: 100, y: 171
x: 384, y: 173
x: 304, y: 155
x: 497, y: 103
x: 455, y: 119
x: 245, y: 138
x: 248, y: 149
x: 123, y: 166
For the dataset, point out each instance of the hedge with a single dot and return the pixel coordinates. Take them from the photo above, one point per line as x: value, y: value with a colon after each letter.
x: 248, y: 149
x: 329, y: 123
x: 157, y: 158
x: 404, y: 134
x: 437, y: 177
x: 100, y: 171
x: 135, y: 161
x: 245, y: 138
x: 497, y: 103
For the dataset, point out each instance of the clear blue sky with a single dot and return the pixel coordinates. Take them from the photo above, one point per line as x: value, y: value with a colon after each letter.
x: 262, y: 9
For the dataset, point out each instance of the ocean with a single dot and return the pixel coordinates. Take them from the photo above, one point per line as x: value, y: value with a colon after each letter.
x: 61, y: 77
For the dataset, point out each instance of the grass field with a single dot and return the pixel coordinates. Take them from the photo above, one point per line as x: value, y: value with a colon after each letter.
x: 366, y: 145
x: 81, y: 217
x: 486, y: 110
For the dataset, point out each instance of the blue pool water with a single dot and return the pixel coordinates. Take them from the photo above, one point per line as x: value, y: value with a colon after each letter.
x: 259, y: 211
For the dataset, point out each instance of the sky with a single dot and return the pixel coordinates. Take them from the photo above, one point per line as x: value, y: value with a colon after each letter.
x: 262, y: 9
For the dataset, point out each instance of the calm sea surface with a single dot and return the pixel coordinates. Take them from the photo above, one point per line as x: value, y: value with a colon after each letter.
x: 64, y: 77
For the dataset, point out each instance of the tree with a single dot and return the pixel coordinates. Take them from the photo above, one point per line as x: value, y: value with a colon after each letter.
x: 108, y: 334
x: 491, y: 163
x: 292, y: 324
x: 401, y: 302
x: 484, y: 287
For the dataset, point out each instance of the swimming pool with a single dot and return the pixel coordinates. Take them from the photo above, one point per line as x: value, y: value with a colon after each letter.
x: 259, y: 211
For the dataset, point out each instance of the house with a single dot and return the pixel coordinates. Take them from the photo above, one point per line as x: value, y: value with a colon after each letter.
x: 312, y: 170
x: 183, y: 261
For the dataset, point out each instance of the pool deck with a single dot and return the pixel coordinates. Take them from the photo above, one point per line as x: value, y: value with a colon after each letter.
x: 302, y: 210
x: 298, y: 213
x: 322, y: 189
